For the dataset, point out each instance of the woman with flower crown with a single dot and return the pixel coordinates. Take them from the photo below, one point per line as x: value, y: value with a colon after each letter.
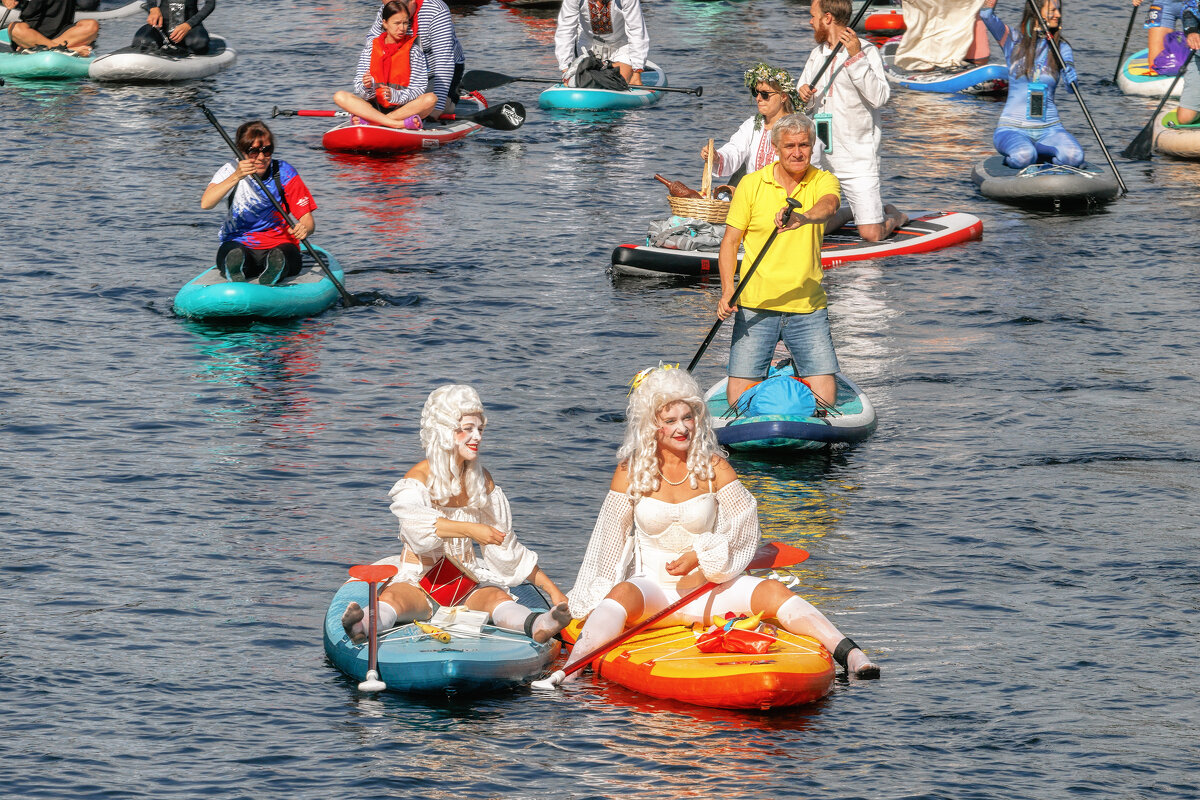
x: 447, y: 504
x: 676, y: 517
x: 774, y: 92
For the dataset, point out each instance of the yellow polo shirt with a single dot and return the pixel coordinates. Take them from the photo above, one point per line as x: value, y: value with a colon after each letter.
x: 789, y: 277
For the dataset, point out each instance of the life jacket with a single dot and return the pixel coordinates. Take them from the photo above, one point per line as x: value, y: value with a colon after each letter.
x: 390, y: 65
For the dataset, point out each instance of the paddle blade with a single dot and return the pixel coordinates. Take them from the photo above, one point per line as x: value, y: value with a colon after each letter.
x: 777, y: 554
x: 503, y: 117
x: 1139, y: 149
x: 477, y: 80
x: 373, y: 573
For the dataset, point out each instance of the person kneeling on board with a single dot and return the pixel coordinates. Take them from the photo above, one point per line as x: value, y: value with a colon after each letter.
x: 846, y: 107
x: 390, y: 91
x: 51, y: 25
x: 1189, y: 99
x: 175, y: 27
x: 692, y: 522
x: 446, y: 505
x: 611, y: 30
x: 255, y: 241
x: 1029, y: 130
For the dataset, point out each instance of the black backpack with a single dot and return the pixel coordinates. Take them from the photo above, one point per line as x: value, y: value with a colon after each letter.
x: 592, y: 73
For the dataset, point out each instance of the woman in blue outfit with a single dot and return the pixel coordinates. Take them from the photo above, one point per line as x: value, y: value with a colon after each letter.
x: 1029, y: 129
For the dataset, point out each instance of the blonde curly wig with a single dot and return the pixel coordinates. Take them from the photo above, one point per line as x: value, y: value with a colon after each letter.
x: 657, y: 389
x: 443, y: 411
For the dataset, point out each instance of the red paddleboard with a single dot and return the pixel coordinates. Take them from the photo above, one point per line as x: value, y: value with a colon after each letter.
x: 361, y: 137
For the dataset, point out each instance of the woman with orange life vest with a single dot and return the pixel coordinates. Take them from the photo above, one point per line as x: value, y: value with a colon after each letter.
x: 392, y: 92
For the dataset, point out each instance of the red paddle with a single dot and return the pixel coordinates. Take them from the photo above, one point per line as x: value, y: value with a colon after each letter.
x: 769, y: 556
x: 373, y: 574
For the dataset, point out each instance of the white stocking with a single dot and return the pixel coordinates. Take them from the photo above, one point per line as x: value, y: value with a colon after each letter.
x: 799, y: 616
x: 604, y: 624
x: 513, y: 616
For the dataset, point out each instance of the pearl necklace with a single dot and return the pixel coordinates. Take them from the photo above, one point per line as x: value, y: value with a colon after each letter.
x: 674, y: 483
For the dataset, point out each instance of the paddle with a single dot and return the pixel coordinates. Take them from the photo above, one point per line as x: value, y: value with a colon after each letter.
x: 833, y: 54
x: 1062, y: 66
x: 347, y: 298
x: 478, y: 80
x: 373, y: 574
x: 770, y: 556
x: 503, y: 117
x: 1124, y: 44
x: 1139, y: 149
x: 793, y: 203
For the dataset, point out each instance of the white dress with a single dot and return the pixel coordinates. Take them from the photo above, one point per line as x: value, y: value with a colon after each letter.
x: 721, y: 527
x: 506, y: 564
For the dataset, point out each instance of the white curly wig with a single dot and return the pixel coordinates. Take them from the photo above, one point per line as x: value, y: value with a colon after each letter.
x: 657, y: 389
x: 444, y: 409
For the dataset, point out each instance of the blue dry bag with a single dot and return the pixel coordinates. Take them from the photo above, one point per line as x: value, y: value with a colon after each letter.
x: 778, y: 395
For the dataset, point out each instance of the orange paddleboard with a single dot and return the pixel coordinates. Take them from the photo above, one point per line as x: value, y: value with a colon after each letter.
x: 665, y: 663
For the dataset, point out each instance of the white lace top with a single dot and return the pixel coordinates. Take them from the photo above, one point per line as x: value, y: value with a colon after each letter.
x: 721, y: 527
x: 506, y: 564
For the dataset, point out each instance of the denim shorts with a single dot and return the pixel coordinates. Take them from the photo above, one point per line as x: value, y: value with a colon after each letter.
x: 756, y: 331
x: 1164, y: 14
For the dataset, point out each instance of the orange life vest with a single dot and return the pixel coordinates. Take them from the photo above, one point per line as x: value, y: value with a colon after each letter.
x: 390, y: 65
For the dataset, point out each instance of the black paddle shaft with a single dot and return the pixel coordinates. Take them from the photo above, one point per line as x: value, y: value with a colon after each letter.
x: 1062, y: 66
x: 347, y: 298
x: 1139, y: 149
x: 792, y: 204
x: 1124, y: 44
x: 480, y: 80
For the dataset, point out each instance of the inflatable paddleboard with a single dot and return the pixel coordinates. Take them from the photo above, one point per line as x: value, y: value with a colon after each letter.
x: 210, y: 296
x: 883, y: 23
x: 40, y: 65
x: 920, y: 235
x: 1044, y: 184
x: 126, y: 10
x: 1173, y: 139
x: 362, y: 137
x: 410, y: 660
x: 132, y: 65
x: 572, y: 99
x: 1135, y: 78
x: 987, y: 79
x: 851, y: 420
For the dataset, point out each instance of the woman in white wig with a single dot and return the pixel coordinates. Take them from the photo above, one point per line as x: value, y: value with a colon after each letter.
x: 447, y: 504
x: 675, y: 517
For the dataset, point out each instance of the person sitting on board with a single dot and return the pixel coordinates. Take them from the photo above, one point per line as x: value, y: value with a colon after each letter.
x: 51, y: 25
x: 434, y: 28
x: 783, y: 299
x: 676, y: 517
x: 750, y: 148
x: 256, y: 242
x: 853, y: 91
x: 611, y: 30
x: 1029, y: 130
x: 447, y: 504
x: 1159, y: 22
x: 391, y: 90
x: 175, y: 26
x: 1189, y: 99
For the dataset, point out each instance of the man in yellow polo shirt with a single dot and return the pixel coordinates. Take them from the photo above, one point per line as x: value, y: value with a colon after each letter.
x: 784, y: 299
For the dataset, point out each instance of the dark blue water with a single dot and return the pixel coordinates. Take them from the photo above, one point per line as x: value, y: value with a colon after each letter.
x: 1015, y: 545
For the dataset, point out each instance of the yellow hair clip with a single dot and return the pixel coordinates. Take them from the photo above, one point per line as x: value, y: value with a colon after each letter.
x: 641, y: 376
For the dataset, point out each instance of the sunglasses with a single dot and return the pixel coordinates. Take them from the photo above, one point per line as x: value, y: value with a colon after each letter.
x: 266, y: 150
x: 761, y: 94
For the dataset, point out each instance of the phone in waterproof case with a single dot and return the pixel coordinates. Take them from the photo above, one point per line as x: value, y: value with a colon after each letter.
x: 1037, y: 101
x: 824, y: 122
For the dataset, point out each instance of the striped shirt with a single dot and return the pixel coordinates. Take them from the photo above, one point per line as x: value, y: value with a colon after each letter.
x: 418, y: 77
x: 442, y: 50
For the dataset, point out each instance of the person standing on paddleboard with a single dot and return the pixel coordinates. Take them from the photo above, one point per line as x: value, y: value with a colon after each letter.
x: 1029, y: 129
x: 175, y: 25
x: 749, y: 149
x: 676, y: 517
x: 446, y: 505
x: 392, y: 90
x: 433, y: 26
x: 610, y: 30
x: 847, y: 103
x: 783, y: 299
x: 256, y: 242
x: 51, y: 25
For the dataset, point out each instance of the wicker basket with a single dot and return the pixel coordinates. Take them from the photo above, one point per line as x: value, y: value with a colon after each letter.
x: 703, y: 208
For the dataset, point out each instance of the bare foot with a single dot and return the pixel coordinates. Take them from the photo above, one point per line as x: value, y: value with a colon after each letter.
x: 860, y: 666
x: 551, y: 623
x: 352, y: 622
